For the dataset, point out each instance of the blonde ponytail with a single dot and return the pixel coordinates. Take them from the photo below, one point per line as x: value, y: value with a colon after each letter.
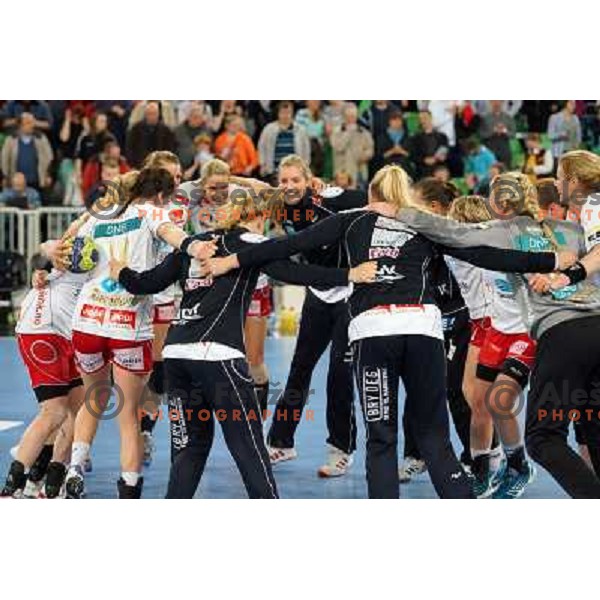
x: 391, y: 184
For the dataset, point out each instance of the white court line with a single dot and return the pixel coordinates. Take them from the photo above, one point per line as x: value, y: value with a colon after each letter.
x: 4, y: 425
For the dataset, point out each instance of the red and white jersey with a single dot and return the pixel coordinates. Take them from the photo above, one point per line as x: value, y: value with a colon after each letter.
x: 178, y: 215
x: 474, y: 287
x: 51, y: 308
x: 104, y: 307
x: 506, y: 313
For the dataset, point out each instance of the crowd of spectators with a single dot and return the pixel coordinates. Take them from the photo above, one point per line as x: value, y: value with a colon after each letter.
x: 59, y: 151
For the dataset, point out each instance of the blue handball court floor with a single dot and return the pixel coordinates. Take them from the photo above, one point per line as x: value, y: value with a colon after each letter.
x: 296, y: 479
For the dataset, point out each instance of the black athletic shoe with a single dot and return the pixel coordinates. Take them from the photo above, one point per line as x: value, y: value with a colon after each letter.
x: 55, y: 477
x: 130, y: 492
x: 15, y: 481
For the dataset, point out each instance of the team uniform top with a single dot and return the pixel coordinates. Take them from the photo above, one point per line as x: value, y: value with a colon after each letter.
x: 50, y: 309
x: 313, y: 209
x: 403, y: 287
x: 178, y: 215
x: 540, y: 311
x: 475, y: 289
x: 104, y: 307
x: 506, y: 312
x: 210, y: 321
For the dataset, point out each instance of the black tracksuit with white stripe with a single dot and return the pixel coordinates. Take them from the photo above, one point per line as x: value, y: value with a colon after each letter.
x: 457, y: 335
x: 324, y: 320
x: 395, y: 328
x: 207, y: 375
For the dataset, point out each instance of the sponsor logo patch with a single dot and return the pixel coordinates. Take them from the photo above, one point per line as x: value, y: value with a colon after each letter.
x: 89, y: 362
x: 90, y: 312
x: 130, y: 358
x: 376, y: 396
x: 122, y: 318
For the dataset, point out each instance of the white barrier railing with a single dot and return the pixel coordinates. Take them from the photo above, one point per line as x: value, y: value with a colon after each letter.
x: 23, y: 231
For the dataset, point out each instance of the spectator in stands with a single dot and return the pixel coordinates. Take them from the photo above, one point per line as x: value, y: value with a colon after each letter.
x: 92, y: 172
x: 537, y: 113
x: 226, y: 108
x: 428, y: 148
x: 564, y: 130
x: 183, y: 108
x: 19, y: 194
x: 259, y: 113
x: 148, y: 135
x: 376, y: 119
x: 166, y: 111
x: 194, y: 125
x: 478, y: 163
x: 391, y: 147
x: 75, y: 125
x: 483, y: 187
x: 280, y: 138
x: 441, y: 173
x: 92, y: 142
x: 497, y: 129
x: 353, y: 147
x: 343, y: 179
x: 38, y: 108
x: 334, y: 115
x: 110, y: 169
x: 118, y: 112
x: 203, y: 154
x: 312, y: 119
x: 538, y: 161
x: 236, y: 147
x: 28, y: 151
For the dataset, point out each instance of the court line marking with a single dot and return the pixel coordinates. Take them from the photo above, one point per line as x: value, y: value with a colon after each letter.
x: 4, y: 425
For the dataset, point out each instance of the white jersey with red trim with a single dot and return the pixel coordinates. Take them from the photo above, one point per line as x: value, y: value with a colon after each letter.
x: 50, y: 309
x: 590, y: 221
x: 178, y: 215
x: 104, y: 307
x: 474, y: 287
x: 506, y: 312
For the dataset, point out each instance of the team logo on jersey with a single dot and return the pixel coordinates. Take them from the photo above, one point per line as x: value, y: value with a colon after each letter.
x: 383, y: 252
x: 332, y: 191
x: 564, y: 293
x: 195, y: 283
x: 532, y: 242
x: 253, y: 238
x: 504, y: 286
x: 114, y: 229
x: 93, y: 313
x: 594, y: 236
x: 40, y: 303
x: 390, y: 237
x: 387, y: 273
x: 122, y: 318
x: 376, y: 394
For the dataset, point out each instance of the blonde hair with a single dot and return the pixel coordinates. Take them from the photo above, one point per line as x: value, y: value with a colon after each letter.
x: 215, y: 166
x: 515, y: 193
x: 242, y: 208
x: 293, y: 160
x: 584, y: 165
x: 159, y: 158
x: 470, y: 209
x: 522, y: 199
x: 391, y: 184
x: 118, y: 191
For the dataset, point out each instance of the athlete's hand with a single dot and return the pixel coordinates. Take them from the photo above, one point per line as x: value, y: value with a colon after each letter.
x: 218, y: 266
x: 539, y: 283
x: 115, y: 267
x: 317, y: 185
x: 39, y: 279
x: 383, y: 208
x: 566, y: 258
x: 58, y: 252
x: 202, y: 250
x: 363, y: 273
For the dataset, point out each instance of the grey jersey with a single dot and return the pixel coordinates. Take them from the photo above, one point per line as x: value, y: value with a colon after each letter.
x: 540, y: 312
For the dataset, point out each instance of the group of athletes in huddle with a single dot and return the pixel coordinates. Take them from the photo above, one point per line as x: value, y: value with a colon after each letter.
x: 467, y: 300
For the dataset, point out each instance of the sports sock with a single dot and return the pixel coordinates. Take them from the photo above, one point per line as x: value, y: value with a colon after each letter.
x: 148, y: 423
x: 40, y: 466
x: 79, y: 453
x: 130, y: 478
x: 515, y: 456
x: 495, y: 457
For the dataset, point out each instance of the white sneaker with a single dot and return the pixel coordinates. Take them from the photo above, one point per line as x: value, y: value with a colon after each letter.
x: 278, y: 455
x: 338, y: 463
x: 33, y: 490
x: 411, y: 467
x: 148, y: 448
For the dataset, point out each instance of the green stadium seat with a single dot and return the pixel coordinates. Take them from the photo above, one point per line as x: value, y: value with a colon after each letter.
x: 517, y: 154
x: 412, y: 122
x: 462, y: 186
